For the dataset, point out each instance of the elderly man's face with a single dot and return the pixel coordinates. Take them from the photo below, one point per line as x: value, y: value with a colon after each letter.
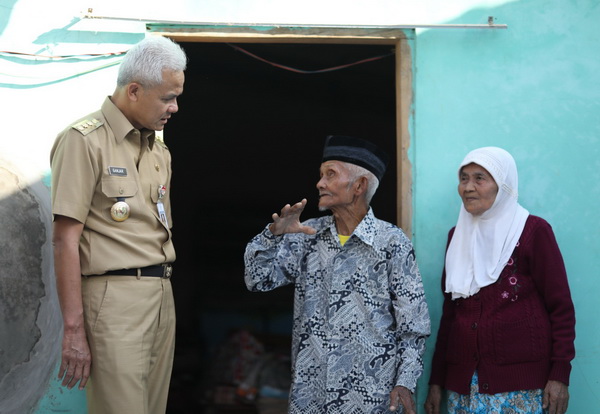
x: 335, y: 189
x: 155, y: 105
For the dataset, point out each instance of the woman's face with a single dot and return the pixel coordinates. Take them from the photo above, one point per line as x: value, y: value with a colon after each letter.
x: 477, y: 188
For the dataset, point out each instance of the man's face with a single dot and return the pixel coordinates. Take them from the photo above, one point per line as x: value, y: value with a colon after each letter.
x: 335, y: 189
x: 154, y: 106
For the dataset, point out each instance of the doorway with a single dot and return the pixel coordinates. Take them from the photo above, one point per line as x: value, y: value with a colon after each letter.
x: 247, y: 140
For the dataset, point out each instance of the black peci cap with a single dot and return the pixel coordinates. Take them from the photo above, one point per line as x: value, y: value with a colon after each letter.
x: 356, y: 151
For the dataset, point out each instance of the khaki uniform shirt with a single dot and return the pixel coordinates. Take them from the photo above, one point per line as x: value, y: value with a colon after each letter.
x: 94, y: 162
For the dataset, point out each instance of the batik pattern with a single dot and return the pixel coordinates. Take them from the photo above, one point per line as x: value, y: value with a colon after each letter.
x: 514, y: 402
x: 360, y: 316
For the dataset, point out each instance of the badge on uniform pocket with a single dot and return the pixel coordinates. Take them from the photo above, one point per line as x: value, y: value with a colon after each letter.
x: 120, y: 210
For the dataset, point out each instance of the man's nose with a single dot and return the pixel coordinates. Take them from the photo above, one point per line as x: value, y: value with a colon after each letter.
x: 321, y: 183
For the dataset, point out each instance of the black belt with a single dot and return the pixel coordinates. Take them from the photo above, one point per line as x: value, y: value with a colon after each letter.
x: 164, y: 271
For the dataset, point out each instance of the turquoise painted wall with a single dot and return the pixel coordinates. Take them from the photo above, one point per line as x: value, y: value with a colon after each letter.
x: 533, y: 89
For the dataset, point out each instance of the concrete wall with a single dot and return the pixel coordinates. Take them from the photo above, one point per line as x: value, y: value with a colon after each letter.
x: 533, y: 89
x: 29, y: 313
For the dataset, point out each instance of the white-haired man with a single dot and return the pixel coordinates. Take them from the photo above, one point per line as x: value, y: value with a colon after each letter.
x: 112, y: 238
x: 360, y: 316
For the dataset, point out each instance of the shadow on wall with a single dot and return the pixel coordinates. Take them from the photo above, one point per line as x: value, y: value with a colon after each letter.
x: 30, y: 320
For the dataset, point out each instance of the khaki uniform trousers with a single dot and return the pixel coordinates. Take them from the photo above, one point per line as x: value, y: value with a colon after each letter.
x: 130, y: 324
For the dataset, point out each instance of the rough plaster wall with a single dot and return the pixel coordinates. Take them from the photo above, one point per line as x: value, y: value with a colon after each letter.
x: 30, y: 322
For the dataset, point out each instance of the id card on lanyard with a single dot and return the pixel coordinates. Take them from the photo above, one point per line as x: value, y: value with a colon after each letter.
x: 162, y: 190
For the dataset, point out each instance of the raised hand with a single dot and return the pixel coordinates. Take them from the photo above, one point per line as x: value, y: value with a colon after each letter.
x: 288, y: 221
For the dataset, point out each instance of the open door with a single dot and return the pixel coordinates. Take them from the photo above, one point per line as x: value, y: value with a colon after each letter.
x: 399, y: 41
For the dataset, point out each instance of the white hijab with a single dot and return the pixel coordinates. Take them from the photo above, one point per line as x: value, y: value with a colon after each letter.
x: 482, y: 245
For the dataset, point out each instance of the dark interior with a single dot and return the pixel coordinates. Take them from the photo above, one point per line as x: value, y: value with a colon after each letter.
x: 247, y: 140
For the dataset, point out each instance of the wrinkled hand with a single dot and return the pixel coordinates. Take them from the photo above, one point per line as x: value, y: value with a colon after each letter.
x: 556, y: 397
x: 402, y: 395
x: 434, y: 399
x: 76, y: 360
x: 288, y: 221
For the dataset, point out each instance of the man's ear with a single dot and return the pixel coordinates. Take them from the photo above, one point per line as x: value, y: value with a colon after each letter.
x: 360, y: 185
x: 133, y: 91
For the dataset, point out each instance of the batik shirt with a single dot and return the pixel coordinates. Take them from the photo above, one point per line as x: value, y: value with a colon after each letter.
x: 360, y: 316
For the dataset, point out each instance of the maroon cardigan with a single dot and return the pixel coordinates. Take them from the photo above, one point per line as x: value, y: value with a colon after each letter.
x: 518, y: 333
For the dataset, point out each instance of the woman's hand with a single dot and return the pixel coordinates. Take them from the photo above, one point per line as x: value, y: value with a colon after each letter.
x: 434, y: 399
x: 556, y: 397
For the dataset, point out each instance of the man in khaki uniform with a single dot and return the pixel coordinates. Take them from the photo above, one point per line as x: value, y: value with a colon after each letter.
x: 112, y: 239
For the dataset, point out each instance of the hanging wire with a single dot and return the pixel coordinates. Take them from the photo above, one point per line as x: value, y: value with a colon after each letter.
x: 52, y: 57
x: 29, y: 80
x: 309, y: 72
x: 42, y: 81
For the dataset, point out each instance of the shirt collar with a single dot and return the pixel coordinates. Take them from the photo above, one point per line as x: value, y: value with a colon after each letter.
x: 365, y: 231
x: 120, y: 125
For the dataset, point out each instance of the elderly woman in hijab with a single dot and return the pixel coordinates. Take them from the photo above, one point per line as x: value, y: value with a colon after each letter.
x: 505, y: 341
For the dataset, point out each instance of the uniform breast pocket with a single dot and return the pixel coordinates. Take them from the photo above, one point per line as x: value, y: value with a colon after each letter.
x: 118, y: 188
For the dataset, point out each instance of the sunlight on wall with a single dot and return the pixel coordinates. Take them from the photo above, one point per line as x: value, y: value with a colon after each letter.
x: 359, y: 12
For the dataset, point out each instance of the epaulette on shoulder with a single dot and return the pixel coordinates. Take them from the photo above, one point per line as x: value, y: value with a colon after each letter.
x: 160, y: 141
x: 86, y: 126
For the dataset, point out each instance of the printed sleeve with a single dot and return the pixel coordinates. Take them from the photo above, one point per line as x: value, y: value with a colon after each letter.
x: 270, y: 261
x: 411, y: 314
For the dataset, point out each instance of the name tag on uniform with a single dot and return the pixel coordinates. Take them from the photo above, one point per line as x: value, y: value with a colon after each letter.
x: 119, y: 171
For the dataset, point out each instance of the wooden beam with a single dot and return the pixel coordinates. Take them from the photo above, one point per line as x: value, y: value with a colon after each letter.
x: 404, y: 101
x: 276, y: 34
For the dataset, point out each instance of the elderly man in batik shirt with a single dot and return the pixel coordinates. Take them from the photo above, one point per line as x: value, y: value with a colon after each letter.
x: 360, y: 316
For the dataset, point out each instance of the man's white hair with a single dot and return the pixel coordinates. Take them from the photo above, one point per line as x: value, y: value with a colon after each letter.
x: 355, y: 172
x: 145, y: 61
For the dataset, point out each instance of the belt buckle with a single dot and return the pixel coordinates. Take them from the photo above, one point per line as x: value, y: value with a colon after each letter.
x: 167, y: 271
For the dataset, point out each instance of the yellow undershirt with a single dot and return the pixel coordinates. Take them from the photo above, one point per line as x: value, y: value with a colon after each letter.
x: 343, y: 239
